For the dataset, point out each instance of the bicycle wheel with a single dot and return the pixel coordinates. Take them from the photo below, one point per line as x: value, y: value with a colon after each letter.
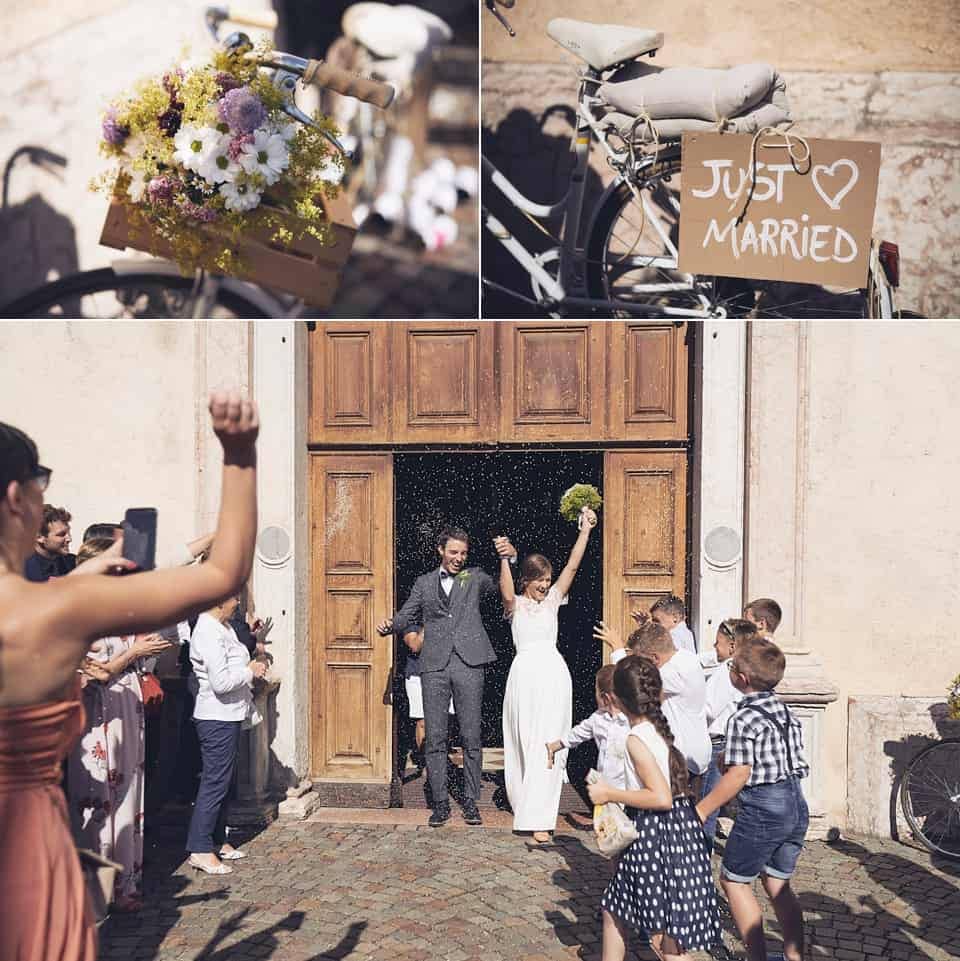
x: 629, y: 260
x: 108, y: 295
x: 930, y: 797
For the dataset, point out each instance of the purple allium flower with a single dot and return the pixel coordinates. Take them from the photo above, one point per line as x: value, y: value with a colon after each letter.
x: 226, y: 82
x: 169, y: 121
x: 235, y: 149
x: 242, y: 110
x: 114, y: 132
x: 161, y: 189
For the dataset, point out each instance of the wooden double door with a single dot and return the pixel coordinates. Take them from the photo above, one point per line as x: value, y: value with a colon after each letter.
x: 380, y: 391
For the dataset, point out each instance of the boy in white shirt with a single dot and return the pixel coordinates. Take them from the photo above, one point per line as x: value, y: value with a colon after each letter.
x: 669, y: 612
x: 684, y: 690
x: 607, y: 727
x: 765, y: 614
x: 721, y: 704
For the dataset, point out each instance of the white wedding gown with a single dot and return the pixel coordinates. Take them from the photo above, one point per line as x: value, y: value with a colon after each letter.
x: 537, y: 708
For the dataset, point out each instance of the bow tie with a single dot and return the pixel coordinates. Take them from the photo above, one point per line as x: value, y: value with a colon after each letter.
x: 445, y: 574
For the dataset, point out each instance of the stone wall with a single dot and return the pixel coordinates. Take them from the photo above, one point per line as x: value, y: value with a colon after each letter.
x: 848, y: 519
x: 914, y: 115
x: 862, y: 35
x: 885, y: 734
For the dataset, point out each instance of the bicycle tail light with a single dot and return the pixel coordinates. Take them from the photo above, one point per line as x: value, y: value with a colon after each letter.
x: 889, y: 255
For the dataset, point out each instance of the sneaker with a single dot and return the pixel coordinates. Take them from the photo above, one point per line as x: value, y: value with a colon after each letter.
x: 440, y: 815
x: 470, y: 813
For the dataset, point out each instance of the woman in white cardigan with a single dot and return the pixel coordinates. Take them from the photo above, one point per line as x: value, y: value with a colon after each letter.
x: 224, y: 701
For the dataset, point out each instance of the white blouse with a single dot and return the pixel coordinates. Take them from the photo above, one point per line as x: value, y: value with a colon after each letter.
x: 222, y: 667
x: 658, y: 748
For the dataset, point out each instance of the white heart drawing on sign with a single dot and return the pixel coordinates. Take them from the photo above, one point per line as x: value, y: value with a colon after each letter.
x: 830, y: 170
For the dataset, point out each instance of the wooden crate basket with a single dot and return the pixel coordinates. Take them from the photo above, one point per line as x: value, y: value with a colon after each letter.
x: 308, y: 269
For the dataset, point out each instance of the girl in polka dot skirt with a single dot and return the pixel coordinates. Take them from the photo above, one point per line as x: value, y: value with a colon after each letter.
x: 662, y: 884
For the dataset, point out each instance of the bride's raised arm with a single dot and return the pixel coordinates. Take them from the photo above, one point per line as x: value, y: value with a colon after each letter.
x: 506, y: 550
x: 588, y: 520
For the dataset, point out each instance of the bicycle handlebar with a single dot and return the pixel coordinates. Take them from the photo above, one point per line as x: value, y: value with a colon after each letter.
x: 328, y: 77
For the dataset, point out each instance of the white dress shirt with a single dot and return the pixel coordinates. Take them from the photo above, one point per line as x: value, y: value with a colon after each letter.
x: 609, y: 732
x: 684, y: 706
x: 222, y: 668
x: 722, y: 700
x: 683, y: 638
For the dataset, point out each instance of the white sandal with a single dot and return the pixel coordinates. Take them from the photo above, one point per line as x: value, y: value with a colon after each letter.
x: 234, y: 854
x: 208, y: 869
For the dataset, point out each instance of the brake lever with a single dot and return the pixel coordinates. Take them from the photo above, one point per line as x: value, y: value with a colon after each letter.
x: 491, y: 6
x: 285, y: 81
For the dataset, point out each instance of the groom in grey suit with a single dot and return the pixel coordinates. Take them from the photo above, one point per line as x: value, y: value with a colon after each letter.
x: 455, y: 651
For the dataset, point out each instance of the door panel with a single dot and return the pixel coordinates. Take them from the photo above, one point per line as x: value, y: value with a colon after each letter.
x: 644, y: 532
x: 349, y: 383
x: 552, y: 381
x: 442, y: 382
x: 647, y: 398
x: 352, y: 588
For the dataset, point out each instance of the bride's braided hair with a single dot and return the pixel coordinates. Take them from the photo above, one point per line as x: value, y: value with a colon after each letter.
x: 637, y: 684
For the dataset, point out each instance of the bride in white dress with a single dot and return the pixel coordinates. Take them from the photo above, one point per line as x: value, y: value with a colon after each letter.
x: 538, y: 704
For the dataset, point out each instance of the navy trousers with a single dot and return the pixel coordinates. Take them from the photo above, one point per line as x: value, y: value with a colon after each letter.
x: 219, y: 741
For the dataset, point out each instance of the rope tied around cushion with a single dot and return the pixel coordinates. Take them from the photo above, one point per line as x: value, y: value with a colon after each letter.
x: 642, y: 117
x: 790, y: 142
x: 723, y: 122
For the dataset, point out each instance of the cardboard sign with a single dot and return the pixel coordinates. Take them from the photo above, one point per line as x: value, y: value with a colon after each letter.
x: 811, y: 226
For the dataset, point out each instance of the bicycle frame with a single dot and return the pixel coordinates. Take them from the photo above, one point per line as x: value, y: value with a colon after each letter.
x: 568, y: 287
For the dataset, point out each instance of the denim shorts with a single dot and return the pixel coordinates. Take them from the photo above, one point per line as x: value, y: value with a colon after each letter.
x: 769, y: 831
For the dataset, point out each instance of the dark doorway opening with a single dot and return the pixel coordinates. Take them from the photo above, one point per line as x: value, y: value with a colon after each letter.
x: 516, y: 493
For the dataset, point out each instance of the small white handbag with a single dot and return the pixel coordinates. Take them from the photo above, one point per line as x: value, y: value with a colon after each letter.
x: 615, y: 831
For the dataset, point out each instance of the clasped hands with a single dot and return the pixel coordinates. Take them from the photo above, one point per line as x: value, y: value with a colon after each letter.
x: 504, y: 548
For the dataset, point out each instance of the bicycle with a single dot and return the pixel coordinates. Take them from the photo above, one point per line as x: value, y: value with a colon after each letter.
x: 154, y: 288
x: 628, y: 264
x: 930, y: 797
x: 395, y: 45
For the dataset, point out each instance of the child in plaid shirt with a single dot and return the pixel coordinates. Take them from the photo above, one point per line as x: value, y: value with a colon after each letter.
x: 764, y: 763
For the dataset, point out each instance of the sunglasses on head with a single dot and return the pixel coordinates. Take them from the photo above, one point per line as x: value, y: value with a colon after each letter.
x: 42, y: 476
x: 726, y: 629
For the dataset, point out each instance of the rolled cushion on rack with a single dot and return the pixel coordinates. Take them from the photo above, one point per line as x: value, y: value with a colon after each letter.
x: 692, y: 92
x: 770, y: 112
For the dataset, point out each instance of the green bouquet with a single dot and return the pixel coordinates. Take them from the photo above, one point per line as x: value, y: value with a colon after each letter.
x: 576, y: 498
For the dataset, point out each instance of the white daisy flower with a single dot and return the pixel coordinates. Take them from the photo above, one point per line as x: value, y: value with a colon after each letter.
x: 239, y: 197
x: 267, y: 155
x: 217, y: 167
x: 194, y: 146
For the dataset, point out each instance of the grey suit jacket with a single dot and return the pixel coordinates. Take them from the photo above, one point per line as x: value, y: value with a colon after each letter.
x: 449, y: 624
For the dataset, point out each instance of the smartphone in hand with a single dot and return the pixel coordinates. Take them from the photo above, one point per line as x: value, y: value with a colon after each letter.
x: 140, y: 537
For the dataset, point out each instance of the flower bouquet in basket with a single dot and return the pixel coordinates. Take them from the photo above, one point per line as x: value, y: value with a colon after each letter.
x: 575, y: 499
x: 211, y: 173
x: 953, y: 700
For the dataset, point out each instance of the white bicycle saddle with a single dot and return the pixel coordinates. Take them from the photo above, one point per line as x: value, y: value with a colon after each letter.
x: 603, y: 45
x: 386, y: 31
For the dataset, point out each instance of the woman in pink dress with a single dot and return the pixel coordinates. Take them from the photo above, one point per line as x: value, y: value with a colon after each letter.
x: 46, y: 630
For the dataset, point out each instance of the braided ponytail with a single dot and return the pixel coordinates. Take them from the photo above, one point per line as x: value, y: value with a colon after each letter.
x: 638, y: 686
x: 679, y: 776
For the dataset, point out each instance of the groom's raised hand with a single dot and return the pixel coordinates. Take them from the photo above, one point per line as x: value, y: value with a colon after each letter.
x: 385, y: 628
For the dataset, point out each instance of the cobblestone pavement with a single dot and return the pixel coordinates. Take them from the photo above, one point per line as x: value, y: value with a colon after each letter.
x: 392, y: 888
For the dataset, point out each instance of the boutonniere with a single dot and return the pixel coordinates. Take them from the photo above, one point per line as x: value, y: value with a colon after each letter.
x: 462, y: 578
